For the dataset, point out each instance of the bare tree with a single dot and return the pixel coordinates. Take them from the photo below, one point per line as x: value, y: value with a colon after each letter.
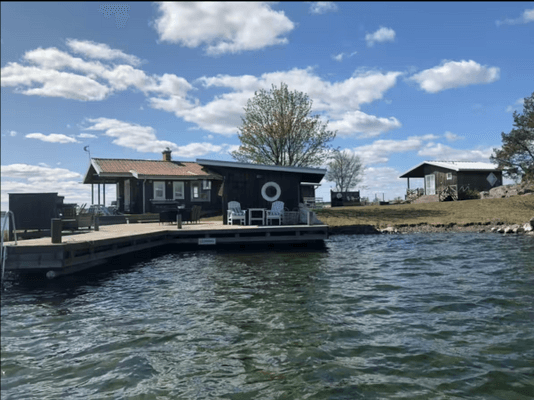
x: 345, y: 170
x: 278, y: 129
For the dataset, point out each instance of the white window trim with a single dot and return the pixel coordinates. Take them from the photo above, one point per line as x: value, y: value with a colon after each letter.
x: 174, y: 184
x: 206, y: 184
x: 156, y: 197
x: 449, y: 176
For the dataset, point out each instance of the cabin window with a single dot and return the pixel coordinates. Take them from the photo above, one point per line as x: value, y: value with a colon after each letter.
x: 206, y: 185
x: 159, y: 190
x: 178, y: 190
x: 449, y: 176
x: 198, y: 193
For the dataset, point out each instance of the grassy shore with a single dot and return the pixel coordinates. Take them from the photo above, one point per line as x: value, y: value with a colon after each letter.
x: 512, y: 210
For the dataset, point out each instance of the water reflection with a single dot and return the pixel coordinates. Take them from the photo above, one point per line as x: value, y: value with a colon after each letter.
x: 408, y: 316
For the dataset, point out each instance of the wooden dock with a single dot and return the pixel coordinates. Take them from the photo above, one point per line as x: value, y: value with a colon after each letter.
x: 85, y: 250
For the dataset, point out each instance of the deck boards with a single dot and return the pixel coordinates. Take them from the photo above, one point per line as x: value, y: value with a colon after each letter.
x: 84, y: 250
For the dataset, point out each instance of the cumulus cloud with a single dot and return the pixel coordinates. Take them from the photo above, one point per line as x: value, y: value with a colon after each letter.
x: 58, y: 74
x: 53, y: 83
x: 339, y: 57
x: 84, y: 80
x: 452, y: 137
x: 380, y: 36
x: 438, y: 151
x: 525, y: 18
x: 340, y: 101
x: 363, y: 124
x: 379, y: 151
x: 12, y: 133
x: 321, y: 7
x: 453, y: 74
x: 87, y: 136
x: 100, y: 51
x: 24, y: 178
x: 144, y: 139
x: 222, y: 27
x: 52, y: 138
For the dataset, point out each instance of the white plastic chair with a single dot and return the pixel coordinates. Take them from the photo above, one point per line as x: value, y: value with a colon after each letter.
x: 235, y: 213
x: 276, y: 212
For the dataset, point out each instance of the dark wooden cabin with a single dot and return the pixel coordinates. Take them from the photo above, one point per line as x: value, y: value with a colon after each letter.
x: 258, y: 186
x: 153, y: 186
x: 455, y: 176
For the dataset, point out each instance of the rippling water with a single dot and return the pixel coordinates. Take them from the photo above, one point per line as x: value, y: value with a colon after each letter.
x: 442, y: 316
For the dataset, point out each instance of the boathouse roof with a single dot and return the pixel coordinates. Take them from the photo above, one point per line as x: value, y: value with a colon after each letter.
x: 312, y: 175
x: 459, y: 166
x: 145, y: 169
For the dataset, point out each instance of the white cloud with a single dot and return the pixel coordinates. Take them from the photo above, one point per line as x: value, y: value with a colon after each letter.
x: 54, y: 83
x: 58, y: 74
x: 339, y: 100
x: 25, y: 178
x: 12, y: 133
x: 441, y: 152
x: 380, y: 36
x: 52, y: 138
x: 143, y: 138
x: 364, y: 124
x: 452, y: 137
x: 525, y: 18
x: 101, y: 51
x: 321, y: 7
x: 223, y: 27
x: 34, y: 173
x: 339, y: 57
x: 518, y: 104
x: 379, y: 151
x: 87, y: 136
x: 453, y: 74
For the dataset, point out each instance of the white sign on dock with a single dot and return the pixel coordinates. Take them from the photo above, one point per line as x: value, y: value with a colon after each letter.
x: 207, y: 241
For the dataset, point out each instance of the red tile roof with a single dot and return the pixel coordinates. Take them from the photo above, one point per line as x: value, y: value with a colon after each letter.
x: 149, y: 167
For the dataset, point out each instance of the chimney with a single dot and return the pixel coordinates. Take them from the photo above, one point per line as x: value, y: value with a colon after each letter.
x: 167, y: 154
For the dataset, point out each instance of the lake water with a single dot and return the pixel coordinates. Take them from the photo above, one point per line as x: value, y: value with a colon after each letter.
x: 436, y: 316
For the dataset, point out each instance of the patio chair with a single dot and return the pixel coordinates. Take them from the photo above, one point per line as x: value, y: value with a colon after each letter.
x: 195, y: 213
x: 276, y: 212
x: 235, y: 213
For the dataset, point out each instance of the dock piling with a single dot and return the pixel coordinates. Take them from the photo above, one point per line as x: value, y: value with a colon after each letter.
x: 179, y: 221
x: 97, y: 223
x: 55, y: 230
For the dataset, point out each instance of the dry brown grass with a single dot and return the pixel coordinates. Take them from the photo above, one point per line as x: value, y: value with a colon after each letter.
x: 512, y: 210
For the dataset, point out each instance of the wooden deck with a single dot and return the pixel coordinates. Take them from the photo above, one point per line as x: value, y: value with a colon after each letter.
x: 80, y: 251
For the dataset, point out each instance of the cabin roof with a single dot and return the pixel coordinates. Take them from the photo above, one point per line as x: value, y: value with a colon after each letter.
x: 459, y: 166
x: 311, y: 174
x: 146, y: 169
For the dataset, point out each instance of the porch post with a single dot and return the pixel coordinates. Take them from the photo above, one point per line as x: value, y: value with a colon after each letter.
x: 408, y: 183
x: 92, y: 193
x: 99, y: 194
x: 104, y: 192
x: 144, y: 197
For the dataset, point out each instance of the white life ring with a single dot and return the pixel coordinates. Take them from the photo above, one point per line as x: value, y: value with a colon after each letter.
x: 276, y: 186
x: 339, y: 195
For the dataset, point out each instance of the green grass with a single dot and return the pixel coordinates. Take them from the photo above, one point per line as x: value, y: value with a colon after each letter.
x: 512, y: 210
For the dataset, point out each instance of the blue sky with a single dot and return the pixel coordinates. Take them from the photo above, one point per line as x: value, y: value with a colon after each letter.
x: 400, y: 82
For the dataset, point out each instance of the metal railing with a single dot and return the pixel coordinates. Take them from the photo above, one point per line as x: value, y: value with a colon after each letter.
x: 3, y: 250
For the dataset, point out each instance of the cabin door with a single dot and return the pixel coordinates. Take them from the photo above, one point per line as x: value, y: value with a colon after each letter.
x: 430, y: 184
x: 127, y: 195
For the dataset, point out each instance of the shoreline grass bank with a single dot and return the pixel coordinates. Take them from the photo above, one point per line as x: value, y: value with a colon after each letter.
x: 457, y: 216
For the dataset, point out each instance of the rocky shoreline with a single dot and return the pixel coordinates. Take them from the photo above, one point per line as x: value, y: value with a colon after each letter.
x: 511, y: 229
